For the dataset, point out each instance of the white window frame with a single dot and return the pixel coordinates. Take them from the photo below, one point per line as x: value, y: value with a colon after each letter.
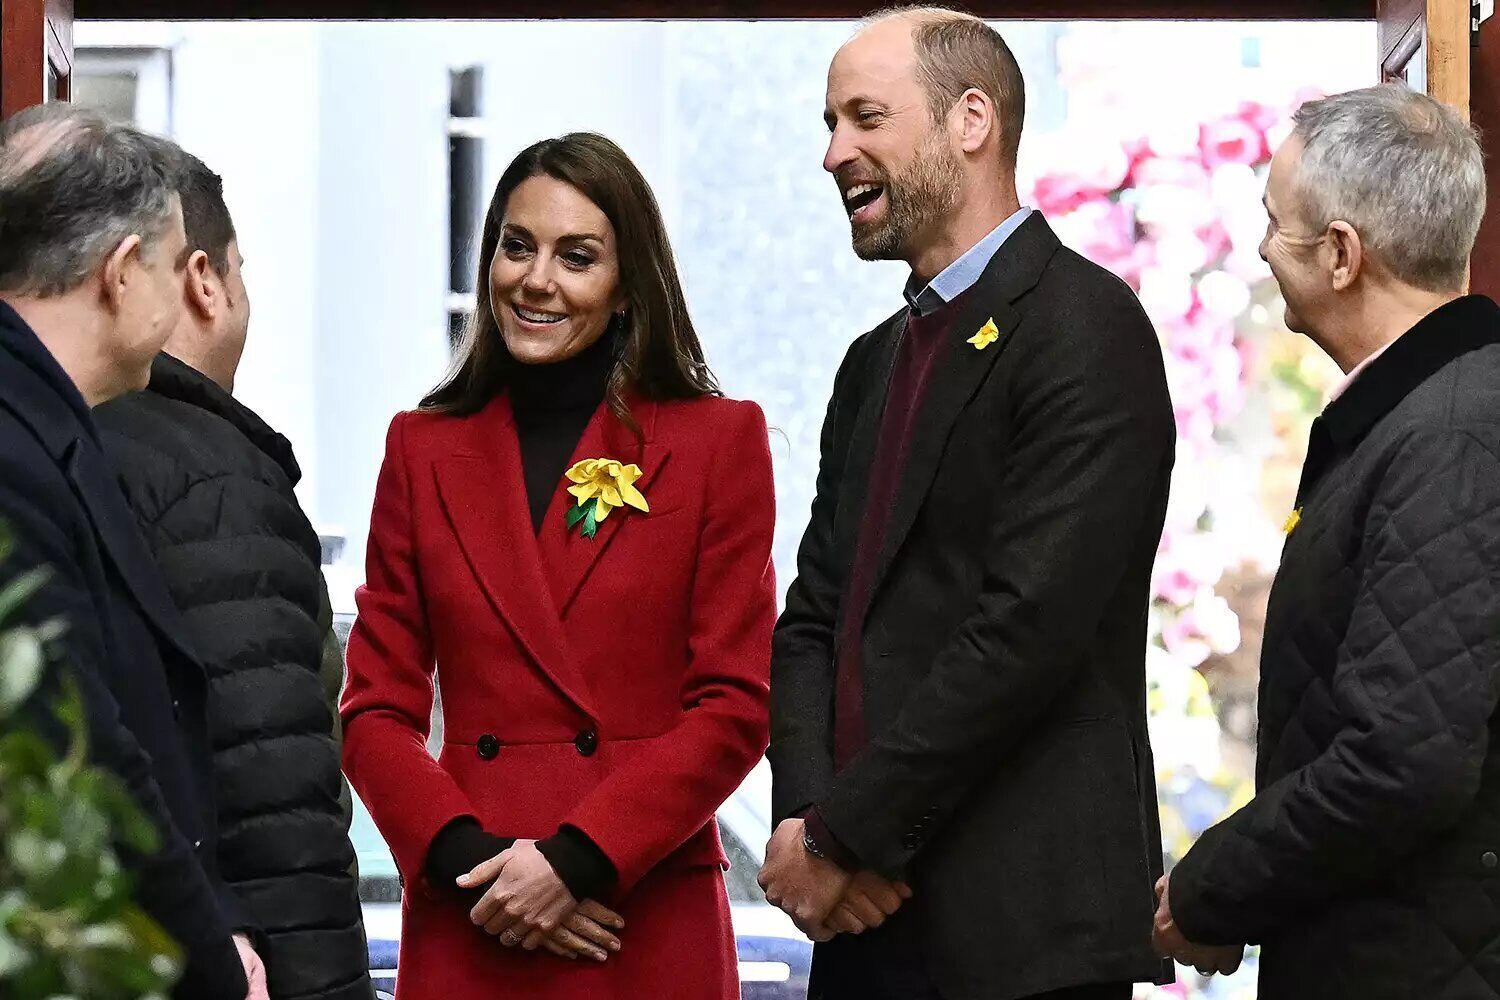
x: 135, y: 54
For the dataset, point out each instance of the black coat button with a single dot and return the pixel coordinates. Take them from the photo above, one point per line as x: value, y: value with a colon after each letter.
x: 587, y: 742
x: 1489, y: 859
x: 488, y: 747
x: 911, y: 841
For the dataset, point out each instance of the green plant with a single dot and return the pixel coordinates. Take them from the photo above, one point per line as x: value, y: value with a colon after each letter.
x: 68, y: 926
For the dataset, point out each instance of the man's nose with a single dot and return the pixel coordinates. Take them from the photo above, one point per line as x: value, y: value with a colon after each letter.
x: 840, y: 150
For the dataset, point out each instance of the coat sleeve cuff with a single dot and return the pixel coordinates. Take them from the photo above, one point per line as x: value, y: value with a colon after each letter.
x: 1192, y: 914
x: 583, y: 867
x: 456, y: 849
x: 827, y: 843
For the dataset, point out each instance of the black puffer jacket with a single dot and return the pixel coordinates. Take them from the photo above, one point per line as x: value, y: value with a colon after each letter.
x: 1368, y: 863
x: 211, y: 486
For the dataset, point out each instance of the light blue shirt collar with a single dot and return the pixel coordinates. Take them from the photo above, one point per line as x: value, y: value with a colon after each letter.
x: 959, y: 276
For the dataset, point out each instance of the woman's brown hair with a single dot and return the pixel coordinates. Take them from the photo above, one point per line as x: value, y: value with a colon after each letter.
x: 660, y: 357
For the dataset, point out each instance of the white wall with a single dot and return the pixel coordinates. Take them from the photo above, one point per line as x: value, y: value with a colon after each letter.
x: 332, y: 141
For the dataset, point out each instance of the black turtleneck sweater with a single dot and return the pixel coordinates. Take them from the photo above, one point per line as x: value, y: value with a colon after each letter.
x: 552, y: 404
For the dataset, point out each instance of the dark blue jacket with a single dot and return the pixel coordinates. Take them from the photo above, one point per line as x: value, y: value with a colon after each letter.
x: 144, y: 691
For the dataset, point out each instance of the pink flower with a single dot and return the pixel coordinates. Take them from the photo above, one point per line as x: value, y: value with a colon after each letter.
x: 1137, y: 151
x: 1176, y: 171
x: 1232, y: 140
x: 1104, y: 232
x: 1259, y: 116
x: 1059, y: 194
x: 1216, y: 239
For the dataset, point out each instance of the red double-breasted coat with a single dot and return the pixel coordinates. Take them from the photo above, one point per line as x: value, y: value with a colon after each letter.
x: 618, y: 684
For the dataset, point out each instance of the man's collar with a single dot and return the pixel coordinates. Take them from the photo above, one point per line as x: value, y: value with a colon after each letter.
x: 176, y: 379
x: 49, y: 401
x: 959, y: 276
x: 1448, y: 332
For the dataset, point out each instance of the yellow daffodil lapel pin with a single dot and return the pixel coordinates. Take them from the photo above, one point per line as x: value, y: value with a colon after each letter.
x: 987, y: 335
x: 602, y: 484
x: 1292, y: 520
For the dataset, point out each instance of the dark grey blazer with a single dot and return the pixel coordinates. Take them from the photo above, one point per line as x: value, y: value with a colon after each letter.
x: 1008, y: 776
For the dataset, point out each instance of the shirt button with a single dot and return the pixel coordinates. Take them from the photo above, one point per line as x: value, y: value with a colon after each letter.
x: 587, y: 742
x: 197, y: 845
x: 488, y: 746
x: 911, y: 841
x: 1489, y: 859
x: 177, y: 709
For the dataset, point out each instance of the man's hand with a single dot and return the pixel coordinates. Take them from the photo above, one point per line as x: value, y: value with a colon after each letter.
x: 805, y: 886
x: 586, y: 933
x: 526, y: 894
x: 866, y: 903
x: 255, y: 969
x: 1170, y: 942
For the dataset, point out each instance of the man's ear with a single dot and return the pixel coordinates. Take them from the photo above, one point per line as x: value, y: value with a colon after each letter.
x: 201, y: 290
x: 121, y: 268
x: 976, y: 120
x: 1347, y: 252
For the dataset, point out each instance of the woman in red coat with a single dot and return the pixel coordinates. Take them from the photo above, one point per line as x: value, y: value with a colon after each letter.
x: 573, y: 533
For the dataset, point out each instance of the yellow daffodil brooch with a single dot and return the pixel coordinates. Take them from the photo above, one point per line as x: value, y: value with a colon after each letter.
x: 601, y: 484
x: 987, y: 335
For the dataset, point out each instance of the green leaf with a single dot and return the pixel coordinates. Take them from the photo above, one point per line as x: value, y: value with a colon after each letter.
x: 13, y: 956
x: 578, y: 513
x: 68, y: 928
x: 19, y: 590
x: 21, y: 664
x: 591, y: 522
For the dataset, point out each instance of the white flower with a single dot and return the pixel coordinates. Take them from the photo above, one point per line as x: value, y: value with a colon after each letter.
x: 1223, y: 294
x: 1166, y: 294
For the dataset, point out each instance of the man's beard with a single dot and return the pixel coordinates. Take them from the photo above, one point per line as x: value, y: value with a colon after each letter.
x: 917, y: 199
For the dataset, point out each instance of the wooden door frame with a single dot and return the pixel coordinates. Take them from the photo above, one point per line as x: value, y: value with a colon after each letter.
x: 1484, y: 112
x: 1403, y: 26
x: 36, y: 39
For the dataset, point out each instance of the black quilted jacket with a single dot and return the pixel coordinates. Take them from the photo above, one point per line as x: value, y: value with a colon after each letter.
x: 211, y: 487
x: 1368, y: 865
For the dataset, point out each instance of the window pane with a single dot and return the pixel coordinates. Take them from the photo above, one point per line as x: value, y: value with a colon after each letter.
x: 111, y: 93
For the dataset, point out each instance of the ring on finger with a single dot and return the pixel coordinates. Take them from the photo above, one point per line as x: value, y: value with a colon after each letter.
x: 509, y: 938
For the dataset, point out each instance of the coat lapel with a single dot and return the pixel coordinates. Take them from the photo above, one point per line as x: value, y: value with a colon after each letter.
x: 95, y: 484
x: 569, y: 557
x: 484, y: 496
x: 41, y: 395
x: 961, y: 369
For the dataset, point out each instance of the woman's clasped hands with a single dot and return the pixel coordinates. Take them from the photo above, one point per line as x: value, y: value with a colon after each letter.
x: 527, y: 904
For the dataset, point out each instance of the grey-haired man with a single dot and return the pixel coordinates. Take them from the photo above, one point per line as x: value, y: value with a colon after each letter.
x: 1367, y: 865
x: 91, y: 258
